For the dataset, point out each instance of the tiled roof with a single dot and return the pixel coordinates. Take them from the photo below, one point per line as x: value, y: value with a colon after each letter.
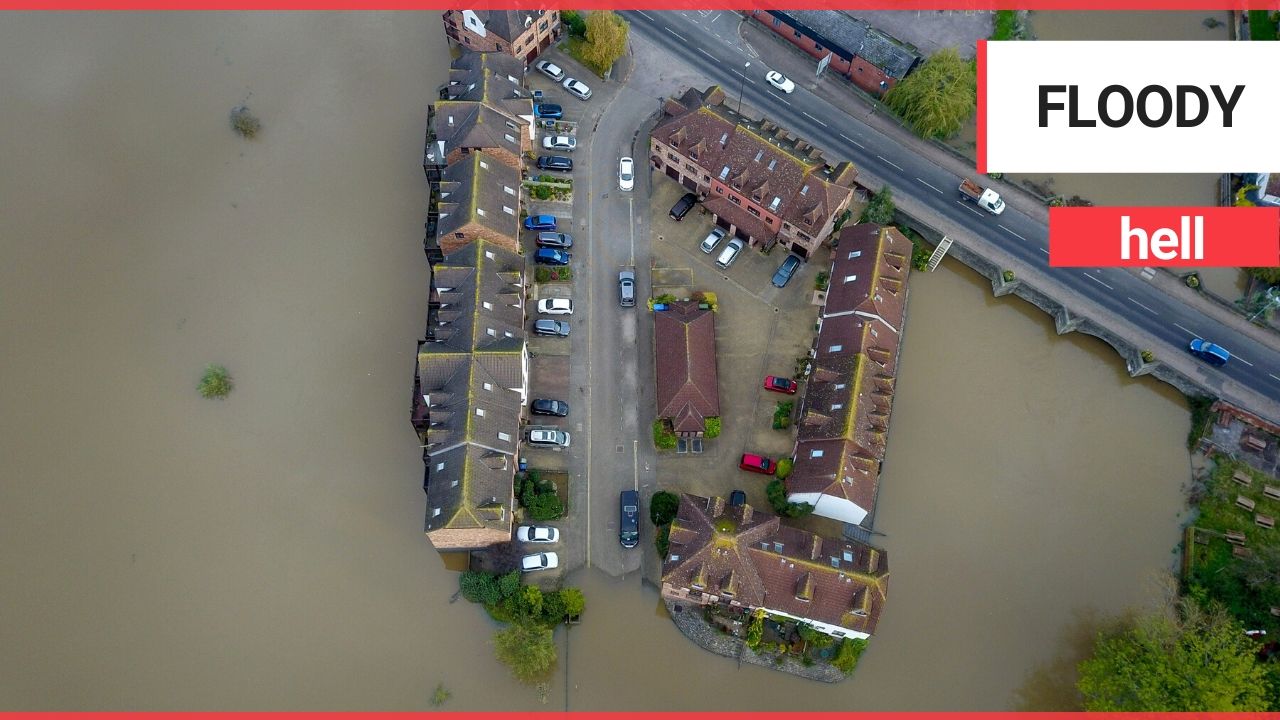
x: 477, y: 187
x: 868, y: 273
x: 476, y: 126
x: 495, y: 79
x: 685, y: 365
x: 472, y: 490
x: 846, y: 36
x: 507, y: 24
x: 739, y: 553
x: 760, y: 160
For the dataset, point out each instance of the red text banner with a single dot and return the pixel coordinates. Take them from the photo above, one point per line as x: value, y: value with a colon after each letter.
x: 1164, y: 237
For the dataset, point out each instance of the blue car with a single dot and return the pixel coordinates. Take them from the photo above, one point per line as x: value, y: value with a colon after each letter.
x: 785, y: 271
x: 1208, y: 352
x: 551, y: 111
x: 551, y: 256
x: 540, y: 222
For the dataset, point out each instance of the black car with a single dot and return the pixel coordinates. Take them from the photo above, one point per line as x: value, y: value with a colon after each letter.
x: 555, y: 162
x: 629, y: 527
x: 557, y: 408
x: 683, y: 206
x: 737, y: 498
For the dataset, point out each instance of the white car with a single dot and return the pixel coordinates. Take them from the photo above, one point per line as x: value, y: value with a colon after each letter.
x: 537, y: 534
x: 548, y: 437
x: 550, y: 69
x: 555, y: 306
x: 577, y: 88
x: 539, y: 561
x: 560, y: 142
x: 626, y: 174
x: 780, y: 81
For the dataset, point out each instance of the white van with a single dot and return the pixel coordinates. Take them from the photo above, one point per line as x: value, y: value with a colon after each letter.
x: 730, y: 253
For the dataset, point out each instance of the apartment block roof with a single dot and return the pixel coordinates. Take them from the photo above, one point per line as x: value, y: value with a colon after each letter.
x: 479, y: 188
x: 493, y: 79
x: 847, y: 36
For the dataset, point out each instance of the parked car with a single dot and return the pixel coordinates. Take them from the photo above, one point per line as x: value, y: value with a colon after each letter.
x: 781, y: 384
x: 629, y: 522
x: 730, y: 253
x: 577, y: 88
x: 1208, y: 352
x: 550, y: 69
x: 555, y: 306
x: 556, y: 408
x: 757, y: 463
x: 558, y: 163
x: 549, y: 111
x: 551, y: 256
x: 537, y: 534
x: 552, y: 328
x: 554, y: 240
x: 548, y: 437
x: 737, y: 498
x: 683, y: 206
x: 539, y: 561
x: 779, y: 81
x: 560, y: 142
x: 626, y: 288
x: 626, y: 174
x: 540, y: 222
x: 785, y: 271
x: 712, y: 239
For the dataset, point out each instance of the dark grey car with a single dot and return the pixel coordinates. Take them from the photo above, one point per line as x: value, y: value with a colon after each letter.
x: 554, y: 328
x: 556, y: 408
x: 629, y: 525
x: 785, y: 271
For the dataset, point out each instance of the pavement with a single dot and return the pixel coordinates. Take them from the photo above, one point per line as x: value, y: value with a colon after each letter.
x: 697, y: 48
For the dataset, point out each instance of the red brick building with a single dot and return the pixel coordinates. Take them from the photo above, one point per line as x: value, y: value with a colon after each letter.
x: 518, y: 33
x: 869, y: 58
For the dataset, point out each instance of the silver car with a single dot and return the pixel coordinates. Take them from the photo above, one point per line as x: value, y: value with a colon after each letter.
x: 627, y: 288
x: 712, y: 239
x: 559, y: 142
x: 550, y: 69
x: 577, y: 88
x: 730, y: 253
x: 548, y: 437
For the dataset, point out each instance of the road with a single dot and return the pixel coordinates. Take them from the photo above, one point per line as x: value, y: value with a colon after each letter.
x: 701, y: 40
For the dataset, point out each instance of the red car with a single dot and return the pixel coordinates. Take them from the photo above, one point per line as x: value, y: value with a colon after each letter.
x: 757, y: 463
x: 780, y: 384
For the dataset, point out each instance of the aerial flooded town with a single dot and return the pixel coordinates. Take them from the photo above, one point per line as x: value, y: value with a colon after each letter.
x: 558, y: 360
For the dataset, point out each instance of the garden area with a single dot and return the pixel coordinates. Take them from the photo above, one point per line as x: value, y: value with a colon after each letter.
x: 542, y: 494
x: 553, y: 274
x: 780, y: 638
x: 546, y: 187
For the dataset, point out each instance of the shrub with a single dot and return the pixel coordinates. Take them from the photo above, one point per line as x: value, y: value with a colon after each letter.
x: 1193, y: 281
x: 755, y: 629
x: 662, y: 540
x: 782, y: 415
x: 541, y: 275
x: 821, y: 281
x: 540, y: 192
x: 574, y: 602
x: 244, y: 122
x: 847, y: 654
x: 1006, y: 25
x: 440, y: 696
x: 574, y: 21
x: 711, y: 427
x: 813, y: 638
x: 663, y: 507
x: 1148, y: 356
x: 663, y: 438
x: 562, y: 274
x: 215, y: 383
x: 479, y: 587
x: 880, y: 209
x: 776, y: 492
x: 1200, y: 418
x: 539, y: 498
x: 1008, y: 275
x: 784, y: 468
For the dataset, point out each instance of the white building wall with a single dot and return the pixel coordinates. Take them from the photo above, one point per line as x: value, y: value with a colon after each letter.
x: 473, y: 23
x: 835, y: 630
x: 830, y: 506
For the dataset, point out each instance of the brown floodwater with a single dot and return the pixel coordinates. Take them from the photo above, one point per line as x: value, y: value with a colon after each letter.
x: 160, y: 551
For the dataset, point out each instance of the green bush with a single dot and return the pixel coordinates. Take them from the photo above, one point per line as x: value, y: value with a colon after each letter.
x: 216, y: 382
x: 880, y: 209
x: 663, y: 438
x: 245, y: 123
x: 1261, y: 26
x: 847, y: 654
x: 479, y: 587
x: 539, y: 498
x: 755, y: 629
x: 1006, y: 25
x: 576, y: 24
x: 776, y: 492
x: 711, y: 427
x: 1201, y: 416
x: 1007, y: 275
x: 815, y: 638
x: 782, y: 415
x: 663, y: 507
x: 541, y: 275
x: 784, y: 468
x: 662, y: 540
x: 540, y: 192
x: 1148, y: 356
x: 821, y: 281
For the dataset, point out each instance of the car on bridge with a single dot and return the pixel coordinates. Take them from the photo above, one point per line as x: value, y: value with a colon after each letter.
x: 1208, y: 352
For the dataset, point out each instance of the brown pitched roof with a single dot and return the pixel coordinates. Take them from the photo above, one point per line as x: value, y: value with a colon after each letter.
x: 477, y: 186
x: 765, y: 162
x: 493, y: 78
x: 684, y: 349
x: 746, y: 555
x: 869, y: 273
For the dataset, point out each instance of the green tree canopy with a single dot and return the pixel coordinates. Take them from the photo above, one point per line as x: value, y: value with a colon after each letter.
x: 1270, y: 275
x: 1187, y: 660
x: 527, y: 649
x: 880, y: 209
x: 663, y: 507
x: 606, y: 39
x: 938, y: 97
x: 574, y: 602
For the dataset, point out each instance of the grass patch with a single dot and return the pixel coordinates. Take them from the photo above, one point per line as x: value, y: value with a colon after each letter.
x: 1200, y: 418
x: 1261, y: 26
x: 711, y: 427
x: 663, y: 437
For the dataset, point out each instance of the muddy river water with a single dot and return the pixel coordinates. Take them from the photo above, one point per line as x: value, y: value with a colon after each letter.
x: 160, y: 551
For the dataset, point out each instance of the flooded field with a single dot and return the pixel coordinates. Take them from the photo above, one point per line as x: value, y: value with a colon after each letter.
x: 166, y: 552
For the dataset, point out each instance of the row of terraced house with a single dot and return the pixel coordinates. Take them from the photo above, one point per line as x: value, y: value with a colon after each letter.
x: 763, y: 184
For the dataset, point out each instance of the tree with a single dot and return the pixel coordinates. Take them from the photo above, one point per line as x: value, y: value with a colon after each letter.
x: 606, y: 39
x: 663, y: 507
x: 847, y: 654
x: 937, y: 98
x: 509, y: 584
x: 1190, y: 659
x: 574, y: 602
x: 527, y: 649
x: 711, y: 427
x: 1269, y: 275
x: 215, y: 383
x: 244, y: 122
x: 573, y: 20
x: 880, y: 209
x: 479, y: 587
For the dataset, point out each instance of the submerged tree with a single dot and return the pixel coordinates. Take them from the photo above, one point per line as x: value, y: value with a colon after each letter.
x: 938, y: 97
x: 527, y: 649
x: 215, y: 383
x: 245, y: 123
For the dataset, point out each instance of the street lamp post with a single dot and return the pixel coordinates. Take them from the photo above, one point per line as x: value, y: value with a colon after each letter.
x: 742, y: 87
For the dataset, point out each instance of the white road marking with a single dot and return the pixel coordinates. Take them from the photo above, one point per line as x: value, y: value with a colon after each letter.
x: 813, y: 118
x: 1185, y: 330
x: 1046, y: 252
x: 928, y: 186
x: 1098, y: 281
x: 1246, y: 362
x: 673, y: 32
x: 1002, y: 227
x: 855, y: 142
x: 890, y: 162
x: 1144, y: 307
x: 975, y: 212
x: 709, y: 55
x: 1278, y: 378
x: 645, y: 15
x: 776, y: 96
